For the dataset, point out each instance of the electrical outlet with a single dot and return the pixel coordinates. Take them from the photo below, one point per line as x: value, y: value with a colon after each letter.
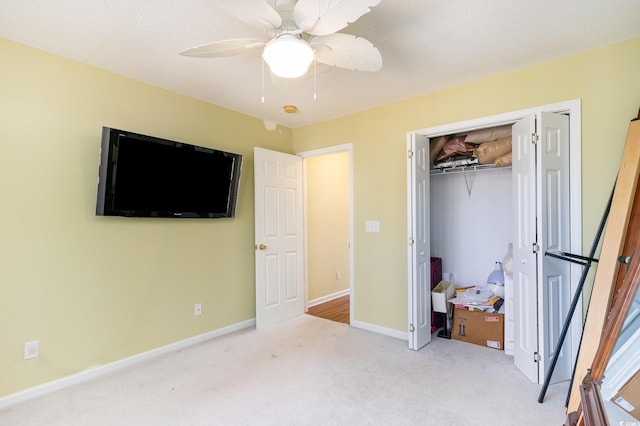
x: 197, y: 309
x: 372, y: 226
x: 31, y: 350
x: 338, y: 275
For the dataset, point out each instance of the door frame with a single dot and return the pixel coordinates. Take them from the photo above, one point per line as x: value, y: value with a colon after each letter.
x: 347, y: 147
x: 573, y: 109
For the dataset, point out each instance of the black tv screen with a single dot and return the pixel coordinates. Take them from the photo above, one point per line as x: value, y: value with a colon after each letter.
x: 145, y: 176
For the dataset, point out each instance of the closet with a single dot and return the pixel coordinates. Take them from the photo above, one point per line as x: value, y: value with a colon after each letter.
x: 470, y: 212
x: 468, y: 215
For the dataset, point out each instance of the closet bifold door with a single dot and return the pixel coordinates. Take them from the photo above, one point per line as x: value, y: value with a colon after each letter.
x: 419, y: 242
x: 524, y: 241
x: 542, y: 222
x: 554, y: 235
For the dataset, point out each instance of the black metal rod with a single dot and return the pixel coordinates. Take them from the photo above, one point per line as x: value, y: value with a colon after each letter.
x: 568, y: 259
x: 574, y: 303
x: 577, y: 256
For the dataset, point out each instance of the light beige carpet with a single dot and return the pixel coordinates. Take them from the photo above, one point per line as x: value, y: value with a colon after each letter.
x: 306, y: 371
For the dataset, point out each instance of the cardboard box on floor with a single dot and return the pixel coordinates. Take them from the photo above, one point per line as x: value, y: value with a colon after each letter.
x: 480, y: 328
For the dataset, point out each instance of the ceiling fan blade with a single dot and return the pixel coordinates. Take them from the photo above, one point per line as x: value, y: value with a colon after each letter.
x: 256, y: 13
x: 347, y: 51
x: 222, y: 48
x: 323, y: 17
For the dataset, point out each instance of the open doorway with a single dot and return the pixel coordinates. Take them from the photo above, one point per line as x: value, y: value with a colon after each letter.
x: 328, y: 232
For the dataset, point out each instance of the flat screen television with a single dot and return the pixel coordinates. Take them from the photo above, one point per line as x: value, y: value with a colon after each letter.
x: 146, y: 176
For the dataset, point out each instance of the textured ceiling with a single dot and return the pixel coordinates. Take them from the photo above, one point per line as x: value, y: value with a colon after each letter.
x: 426, y: 45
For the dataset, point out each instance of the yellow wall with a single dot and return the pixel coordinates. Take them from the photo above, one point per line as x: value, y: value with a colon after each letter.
x: 327, y: 224
x: 97, y: 289
x: 606, y: 80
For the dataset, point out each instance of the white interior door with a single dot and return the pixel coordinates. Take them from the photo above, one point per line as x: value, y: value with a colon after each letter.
x: 419, y: 243
x: 524, y: 254
x: 554, y: 220
x: 278, y: 236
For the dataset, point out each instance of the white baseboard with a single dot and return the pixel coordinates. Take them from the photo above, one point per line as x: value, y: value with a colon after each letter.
x: 105, y: 369
x: 332, y: 296
x: 381, y: 330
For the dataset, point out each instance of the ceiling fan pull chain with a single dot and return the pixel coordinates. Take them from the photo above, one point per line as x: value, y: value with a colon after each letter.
x: 262, y: 76
x: 315, y: 81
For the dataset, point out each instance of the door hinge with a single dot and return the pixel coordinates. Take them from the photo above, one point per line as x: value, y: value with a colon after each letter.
x: 411, y: 328
x: 536, y: 357
x: 410, y: 153
x: 535, y: 248
x: 534, y: 138
x: 411, y: 241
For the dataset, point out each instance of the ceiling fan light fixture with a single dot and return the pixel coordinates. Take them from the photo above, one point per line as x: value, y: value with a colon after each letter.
x: 288, y: 56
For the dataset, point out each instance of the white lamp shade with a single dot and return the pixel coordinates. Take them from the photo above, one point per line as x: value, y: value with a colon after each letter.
x: 497, y: 275
x: 288, y: 56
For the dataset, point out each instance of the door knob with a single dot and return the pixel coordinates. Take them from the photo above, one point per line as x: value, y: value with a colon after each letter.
x: 261, y: 247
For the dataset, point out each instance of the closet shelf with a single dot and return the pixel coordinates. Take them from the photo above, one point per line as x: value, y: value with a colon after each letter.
x: 462, y: 169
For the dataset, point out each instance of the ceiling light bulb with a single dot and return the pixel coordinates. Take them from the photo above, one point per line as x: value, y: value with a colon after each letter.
x: 288, y: 56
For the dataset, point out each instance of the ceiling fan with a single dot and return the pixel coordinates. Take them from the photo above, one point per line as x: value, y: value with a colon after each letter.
x: 297, y: 33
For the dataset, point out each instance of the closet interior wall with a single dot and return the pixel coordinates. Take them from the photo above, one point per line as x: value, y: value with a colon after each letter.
x: 471, y: 221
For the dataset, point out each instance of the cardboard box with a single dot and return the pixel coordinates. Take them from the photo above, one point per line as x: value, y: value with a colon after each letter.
x: 480, y: 328
x: 440, y: 296
x: 628, y: 397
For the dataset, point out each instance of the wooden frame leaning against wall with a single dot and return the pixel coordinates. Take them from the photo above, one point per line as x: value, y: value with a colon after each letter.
x: 614, y: 293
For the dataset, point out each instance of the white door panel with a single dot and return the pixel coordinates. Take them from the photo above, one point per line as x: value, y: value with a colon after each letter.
x: 554, y: 289
x: 542, y: 287
x: 279, y: 236
x: 419, y: 251
x: 524, y: 258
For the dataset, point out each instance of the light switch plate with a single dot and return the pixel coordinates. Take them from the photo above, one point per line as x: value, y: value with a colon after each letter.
x: 372, y: 226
